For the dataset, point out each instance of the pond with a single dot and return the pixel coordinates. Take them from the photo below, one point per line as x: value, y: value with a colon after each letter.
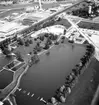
x: 43, y: 78
x: 6, y: 78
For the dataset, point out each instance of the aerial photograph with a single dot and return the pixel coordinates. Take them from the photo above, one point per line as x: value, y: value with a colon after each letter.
x: 49, y: 52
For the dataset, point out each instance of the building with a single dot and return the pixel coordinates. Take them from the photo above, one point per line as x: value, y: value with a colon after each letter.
x: 24, y: 1
x: 6, y: 2
x: 45, y: 1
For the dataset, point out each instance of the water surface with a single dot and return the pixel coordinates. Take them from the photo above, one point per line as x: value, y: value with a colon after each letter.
x: 6, y: 78
x: 46, y: 76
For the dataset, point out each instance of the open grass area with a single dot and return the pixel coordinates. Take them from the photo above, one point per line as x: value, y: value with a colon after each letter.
x: 63, y: 22
x: 89, y: 25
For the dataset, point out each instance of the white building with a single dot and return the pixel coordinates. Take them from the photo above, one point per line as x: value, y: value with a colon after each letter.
x: 36, y: 7
x: 24, y: 1
x: 45, y: 1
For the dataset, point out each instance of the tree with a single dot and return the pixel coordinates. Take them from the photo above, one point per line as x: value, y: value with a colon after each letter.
x: 14, y: 1
x: 46, y: 35
x: 35, y: 58
x: 27, y: 43
x: 56, y: 43
x: 6, y: 102
x: 20, y: 41
x: 51, y: 36
x: 75, y: 72
x: 30, y: 41
x: 19, y: 56
x: 6, y: 52
x: 55, y: 37
x: 38, y: 48
x: 35, y: 51
x: 46, y: 47
x: 49, y: 42
x: 41, y: 38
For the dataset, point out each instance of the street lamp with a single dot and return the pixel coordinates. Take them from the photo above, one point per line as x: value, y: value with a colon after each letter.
x: 40, y: 4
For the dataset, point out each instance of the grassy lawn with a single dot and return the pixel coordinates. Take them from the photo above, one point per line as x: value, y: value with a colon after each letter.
x: 89, y: 25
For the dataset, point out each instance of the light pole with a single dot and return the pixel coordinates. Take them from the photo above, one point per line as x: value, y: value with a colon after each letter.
x: 40, y: 4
